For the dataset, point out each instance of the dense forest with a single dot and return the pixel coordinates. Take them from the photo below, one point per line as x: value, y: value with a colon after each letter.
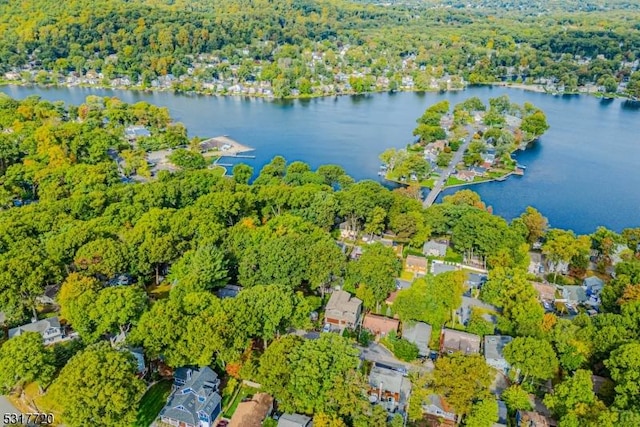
x: 306, y: 47
x: 185, y: 235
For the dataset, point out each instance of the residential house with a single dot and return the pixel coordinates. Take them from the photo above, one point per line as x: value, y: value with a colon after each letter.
x: 356, y: 253
x: 619, y: 253
x: 391, y: 298
x: 560, y: 267
x: 546, y: 292
x: 347, y: 232
x: 229, y: 291
x: 195, y: 401
x: 533, y: 419
x: 50, y: 330
x: 416, y: 265
x: 441, y: 267
x: 294, y: 420
x: 132, y: 133
x: 437, y: 412
x: 49, y: 295
x: 573, y: 295
x: 488, y: 158
x: 478, y: 171
x: 536, y: 263
x: 138, y: 355
x: 418, y: 333
x: 469, y: 304
x: 458, y: 341
x: 494, y: 352
x: 438, y: 145
x: 402, y: 284
x: 380, y: 325
x: 465, y: 175
x: 343, y: 310
x: 384, y: 241
x: 388, y: 388
x: 435, y: 248
x: 252, y: 412
x: 593, y: 286
x: 476, y: 280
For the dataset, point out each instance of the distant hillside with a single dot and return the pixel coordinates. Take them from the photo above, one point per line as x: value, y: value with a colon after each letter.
x: 310, y: 45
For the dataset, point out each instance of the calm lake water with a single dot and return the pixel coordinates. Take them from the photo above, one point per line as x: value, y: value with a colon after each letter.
x: 584, y: 172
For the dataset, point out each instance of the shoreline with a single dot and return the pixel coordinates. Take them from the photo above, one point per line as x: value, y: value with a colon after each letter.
x: 219, y: 94
x: 520, y: 86
x: 464, y: 184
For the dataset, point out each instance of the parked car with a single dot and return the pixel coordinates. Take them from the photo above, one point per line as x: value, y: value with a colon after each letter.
x: 326, y: 328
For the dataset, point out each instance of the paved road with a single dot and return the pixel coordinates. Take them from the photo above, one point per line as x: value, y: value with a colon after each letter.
x: 6, y: 408
x: 377, y: 353
x: 457, y: 158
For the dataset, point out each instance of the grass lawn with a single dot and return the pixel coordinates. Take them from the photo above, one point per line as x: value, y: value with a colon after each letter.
x: 244, y: 392
x: 454, y: 181
x: 407, y: 275
x: 453, y: 256
x: 428, y: 182
x: 219, y: 170
x: 152, y: 402
x: 32, y: 394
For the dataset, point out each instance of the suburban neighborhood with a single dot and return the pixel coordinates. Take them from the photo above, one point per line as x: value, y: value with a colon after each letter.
x: 295, y: 296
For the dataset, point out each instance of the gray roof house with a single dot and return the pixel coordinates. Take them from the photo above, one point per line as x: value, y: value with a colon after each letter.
x: 138, y: 355
x: 294, y: 420
x: 476, y: 280
x: 453, y: 341
x: 593, y: 285
x: 574, y: 295
x: 135, y: 132
x: 494, y: 352
x: 435, y: 248
x: 418, y: 333
x: 402, y: 284
x: 388, y: 388
x: 343, y: 310
x: 437, y: 408
x: 195, y: 401
x: 49, y: 329
x: 467, y: 306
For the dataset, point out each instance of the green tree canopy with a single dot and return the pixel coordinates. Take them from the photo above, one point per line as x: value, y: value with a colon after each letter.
x: 624, y: 366
x: 533, y: 358
x: 25, y: 359
x: 462, y: 380
x: 375, y: 273
x: 98, y: 386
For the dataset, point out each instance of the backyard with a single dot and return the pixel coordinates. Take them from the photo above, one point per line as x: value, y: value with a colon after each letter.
x: 152, y: 402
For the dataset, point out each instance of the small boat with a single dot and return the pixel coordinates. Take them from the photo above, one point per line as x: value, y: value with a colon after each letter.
x: 520, y: 166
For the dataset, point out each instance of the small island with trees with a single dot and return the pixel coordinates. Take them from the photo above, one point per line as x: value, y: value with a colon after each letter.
x: 473, y: 143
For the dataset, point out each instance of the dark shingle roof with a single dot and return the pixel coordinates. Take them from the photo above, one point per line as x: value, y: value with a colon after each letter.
x: 198, y: 394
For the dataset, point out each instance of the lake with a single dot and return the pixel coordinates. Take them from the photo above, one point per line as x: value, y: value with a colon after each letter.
x: 584, y: 172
